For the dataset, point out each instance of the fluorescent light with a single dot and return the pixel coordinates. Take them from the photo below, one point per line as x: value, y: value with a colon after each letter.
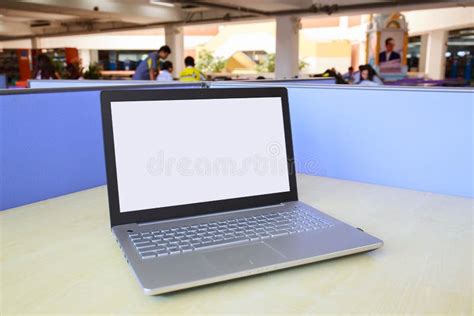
x: 162, y: 3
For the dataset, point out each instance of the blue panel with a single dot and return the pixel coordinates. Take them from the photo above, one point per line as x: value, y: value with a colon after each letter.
x: 50, y: 145
x: 416, y: 139
x: 3, y: 81
x: 311, y: 81
x: 94, y: 83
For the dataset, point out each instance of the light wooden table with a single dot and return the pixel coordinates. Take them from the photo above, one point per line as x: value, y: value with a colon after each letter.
x: 59, y: 256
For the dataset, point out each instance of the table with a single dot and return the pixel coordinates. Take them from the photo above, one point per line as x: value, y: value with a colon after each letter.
x: 59, y: 256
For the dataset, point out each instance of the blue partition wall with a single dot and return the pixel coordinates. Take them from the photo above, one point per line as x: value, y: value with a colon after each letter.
x: 418, y: 139
x: 50, y: 144
x: 44, y: 84
x: 35, y: 84
x: 422, y: 139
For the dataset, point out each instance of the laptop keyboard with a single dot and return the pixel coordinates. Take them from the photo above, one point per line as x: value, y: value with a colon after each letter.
x: 176, y: 240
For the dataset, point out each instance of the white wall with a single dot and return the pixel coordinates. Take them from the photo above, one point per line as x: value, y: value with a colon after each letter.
x: 424, y: 21
x: 24, y: 43
x: 147, y: 39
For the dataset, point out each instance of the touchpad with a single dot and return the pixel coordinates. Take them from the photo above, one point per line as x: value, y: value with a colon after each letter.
x: 243, y: 257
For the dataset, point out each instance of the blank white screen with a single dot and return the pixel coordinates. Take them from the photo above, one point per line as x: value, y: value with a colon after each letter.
x: 189, y: 151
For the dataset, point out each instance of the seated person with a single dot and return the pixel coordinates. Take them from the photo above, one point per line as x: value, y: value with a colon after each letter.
x: 349, y: 75
x: 165, y: 72
x: 191, y: 73
x: 44, y: 68
x: 366, y: 76
x: 375, y: 77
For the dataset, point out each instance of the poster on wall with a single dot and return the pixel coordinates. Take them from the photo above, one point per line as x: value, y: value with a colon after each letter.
x: 387, y: 40
x: 391, y: 50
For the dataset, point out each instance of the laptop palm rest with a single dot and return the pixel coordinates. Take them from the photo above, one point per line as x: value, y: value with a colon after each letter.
x: 243, y: 257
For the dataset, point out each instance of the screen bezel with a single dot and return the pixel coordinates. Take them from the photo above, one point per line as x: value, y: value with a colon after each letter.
x: 187, y: 210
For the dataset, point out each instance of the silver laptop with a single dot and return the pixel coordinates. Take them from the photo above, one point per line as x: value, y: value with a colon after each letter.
x: 202, y: 188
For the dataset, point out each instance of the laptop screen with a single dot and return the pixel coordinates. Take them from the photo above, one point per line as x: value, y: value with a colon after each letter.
x: 177, y: 152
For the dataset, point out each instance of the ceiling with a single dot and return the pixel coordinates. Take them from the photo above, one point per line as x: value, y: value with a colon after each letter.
x: 29, y: 18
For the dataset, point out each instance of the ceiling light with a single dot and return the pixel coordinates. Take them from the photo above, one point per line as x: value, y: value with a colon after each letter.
x: 162, y: 3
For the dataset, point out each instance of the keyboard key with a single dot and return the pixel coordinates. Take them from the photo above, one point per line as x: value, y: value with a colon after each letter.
x: 174, y: 251
x: 162, y: 253
x: 206, y: 240
x: 151, y: 249
x: 145, y: 246
x: 221, y: 243
x: 142, y: 242
x: 279, y: 233
x: 187, y: 248
x: 148, y: 255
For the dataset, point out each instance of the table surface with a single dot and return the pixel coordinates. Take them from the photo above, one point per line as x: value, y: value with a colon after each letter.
x: 59, y: 256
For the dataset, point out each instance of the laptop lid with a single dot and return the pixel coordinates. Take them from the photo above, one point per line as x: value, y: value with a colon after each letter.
x: 179, y: 153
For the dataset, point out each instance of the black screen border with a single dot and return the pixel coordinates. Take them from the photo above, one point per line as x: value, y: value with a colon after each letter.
x: 195, y: 209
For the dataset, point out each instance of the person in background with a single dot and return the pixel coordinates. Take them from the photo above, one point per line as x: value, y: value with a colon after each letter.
x: 148, y: 68
x: 366, y: 76
x: 191, y: 73
x: 165, y: 72
x: 375, y: 76
x: 44, y: 68
x: 74, y: 71
x: 349, y: 75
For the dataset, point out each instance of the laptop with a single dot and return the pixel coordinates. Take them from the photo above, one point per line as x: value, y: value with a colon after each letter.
x: 202, y: 188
